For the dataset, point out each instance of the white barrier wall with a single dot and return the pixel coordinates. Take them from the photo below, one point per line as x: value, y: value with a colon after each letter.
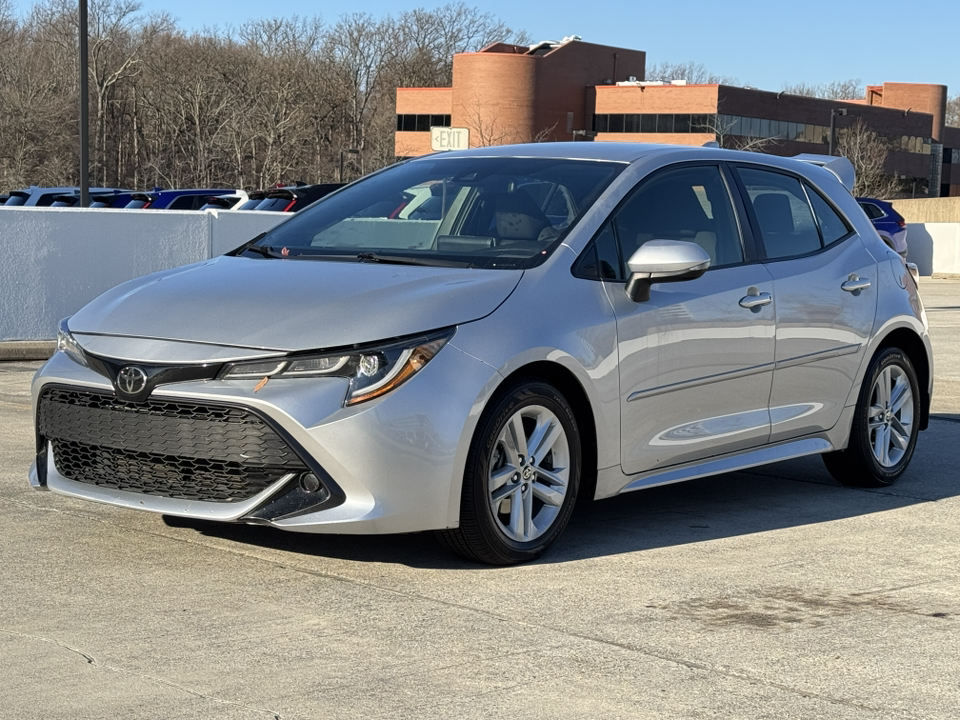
x: 934, y: 247
x: 56, y: 260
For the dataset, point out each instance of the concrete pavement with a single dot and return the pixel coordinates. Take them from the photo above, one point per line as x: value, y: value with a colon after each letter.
x: 774, y: 593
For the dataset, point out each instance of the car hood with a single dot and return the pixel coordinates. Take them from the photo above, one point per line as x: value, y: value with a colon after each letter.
x: 293, y: 304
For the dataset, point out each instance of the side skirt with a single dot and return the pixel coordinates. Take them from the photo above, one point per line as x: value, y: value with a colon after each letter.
x: 730, y: 463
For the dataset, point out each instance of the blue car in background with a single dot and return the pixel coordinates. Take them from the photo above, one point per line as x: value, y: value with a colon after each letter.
x: 889, y: 224
x: 192, y: 199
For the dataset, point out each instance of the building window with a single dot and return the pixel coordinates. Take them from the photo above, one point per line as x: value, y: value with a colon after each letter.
x: 745, y: 127
x: 421, y: 123
x: 652, y: 123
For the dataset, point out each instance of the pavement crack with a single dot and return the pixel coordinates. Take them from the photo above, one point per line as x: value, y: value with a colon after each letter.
x: 151, y: 678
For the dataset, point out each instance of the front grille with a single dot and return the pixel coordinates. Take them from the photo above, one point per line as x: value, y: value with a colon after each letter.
x: 172, y: 448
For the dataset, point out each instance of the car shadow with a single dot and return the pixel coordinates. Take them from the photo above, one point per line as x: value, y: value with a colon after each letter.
x: 774, y: 497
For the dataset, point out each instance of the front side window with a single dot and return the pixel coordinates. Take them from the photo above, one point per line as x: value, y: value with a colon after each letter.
x: 487, y: 212
x: 787, y: 225
x: 601, y: 259
x: 691, y: 204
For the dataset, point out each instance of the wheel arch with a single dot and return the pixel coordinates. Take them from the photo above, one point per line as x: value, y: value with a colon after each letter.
x: 911, y: 344
x: 571, y: 388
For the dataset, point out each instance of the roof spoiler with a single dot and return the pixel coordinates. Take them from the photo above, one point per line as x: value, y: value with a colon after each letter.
x: 839, y: 166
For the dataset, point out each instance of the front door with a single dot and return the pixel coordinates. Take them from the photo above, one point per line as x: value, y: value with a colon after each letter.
x: 697, y: 358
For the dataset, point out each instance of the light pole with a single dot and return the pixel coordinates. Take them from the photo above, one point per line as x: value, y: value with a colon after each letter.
x: 84, y: 111
x: 833, y: 127
x: 352, y: 151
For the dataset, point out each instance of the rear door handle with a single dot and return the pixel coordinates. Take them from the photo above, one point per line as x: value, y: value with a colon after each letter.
x: 855, y: 284
x: 755, y: 301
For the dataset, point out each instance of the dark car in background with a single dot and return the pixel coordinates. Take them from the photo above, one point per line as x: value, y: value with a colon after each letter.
x: 890, y: 225
x: 190, y: 199
x: 254, y: 198
x: 292, y: 199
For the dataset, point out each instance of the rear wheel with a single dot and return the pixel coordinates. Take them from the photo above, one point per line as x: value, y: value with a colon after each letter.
x: 885, y: 425
x: 521, y: 478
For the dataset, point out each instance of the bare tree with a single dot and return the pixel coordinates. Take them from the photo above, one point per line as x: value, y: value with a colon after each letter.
x: 837, y: 90
x: 722, y: 129
x: 953, y: 111
x: 271, y: 101
x: 868, y: 152
x: 693, y: 72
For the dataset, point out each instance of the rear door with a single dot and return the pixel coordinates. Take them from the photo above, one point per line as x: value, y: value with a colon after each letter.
x: 825, y: 294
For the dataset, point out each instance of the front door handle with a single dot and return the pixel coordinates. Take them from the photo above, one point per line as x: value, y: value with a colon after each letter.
x: 855, y: 284
x: 755, y: 300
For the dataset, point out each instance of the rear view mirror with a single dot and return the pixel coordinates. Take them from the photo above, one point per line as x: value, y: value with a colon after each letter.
x: 659, y: 261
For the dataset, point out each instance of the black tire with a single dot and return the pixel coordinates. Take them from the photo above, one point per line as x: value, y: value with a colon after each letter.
x: 487, y: 525
x: 870, y: 460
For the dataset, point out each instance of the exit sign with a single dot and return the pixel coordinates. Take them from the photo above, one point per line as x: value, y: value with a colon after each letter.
x: 447, y: 138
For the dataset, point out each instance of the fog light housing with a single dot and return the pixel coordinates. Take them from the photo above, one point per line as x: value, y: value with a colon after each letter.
x: 310, y: 483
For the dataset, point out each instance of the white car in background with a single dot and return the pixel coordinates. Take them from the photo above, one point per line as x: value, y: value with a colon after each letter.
x: 226, y: 202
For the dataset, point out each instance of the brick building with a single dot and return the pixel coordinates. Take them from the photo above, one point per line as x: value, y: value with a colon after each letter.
x: 574, y: 90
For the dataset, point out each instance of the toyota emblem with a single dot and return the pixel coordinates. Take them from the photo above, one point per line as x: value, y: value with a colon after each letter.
x: 131, y: 380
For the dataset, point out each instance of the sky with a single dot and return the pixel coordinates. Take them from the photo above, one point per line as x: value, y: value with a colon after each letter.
x: 762, y: 44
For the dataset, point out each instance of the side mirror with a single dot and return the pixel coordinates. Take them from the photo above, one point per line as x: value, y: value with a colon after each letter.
x: 659, y: 261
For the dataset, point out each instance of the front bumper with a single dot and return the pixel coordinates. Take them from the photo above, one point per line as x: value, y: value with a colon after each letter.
x: 391, y: 465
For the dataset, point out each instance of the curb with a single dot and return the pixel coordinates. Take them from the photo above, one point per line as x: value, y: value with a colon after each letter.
x: 27, y: 349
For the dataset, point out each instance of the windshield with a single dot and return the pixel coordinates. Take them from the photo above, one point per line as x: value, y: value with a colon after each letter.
x: 480, y: 212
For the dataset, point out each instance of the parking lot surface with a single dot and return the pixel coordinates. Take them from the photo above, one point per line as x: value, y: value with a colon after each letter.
x: 772, y: 593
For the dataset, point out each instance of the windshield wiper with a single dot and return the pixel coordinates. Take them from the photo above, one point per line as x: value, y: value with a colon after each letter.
x: 407, y: 260
x: 264, y: 250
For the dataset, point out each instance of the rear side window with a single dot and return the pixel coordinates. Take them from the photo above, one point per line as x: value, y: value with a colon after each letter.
x: 185, y: 202
x: 832, y: 226
x: 691, y: 204
x: 787, y: 224
x: 872, y: 211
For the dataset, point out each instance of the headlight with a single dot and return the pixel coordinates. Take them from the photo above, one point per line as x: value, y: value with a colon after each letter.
x: 372, y: 371
x: 68, y: 346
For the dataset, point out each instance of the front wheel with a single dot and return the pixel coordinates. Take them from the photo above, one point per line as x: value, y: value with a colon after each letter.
x: 521, y: 478
x: 885, y: 425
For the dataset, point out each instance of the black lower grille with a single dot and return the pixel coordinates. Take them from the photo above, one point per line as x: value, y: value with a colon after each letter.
x: 172, y: 448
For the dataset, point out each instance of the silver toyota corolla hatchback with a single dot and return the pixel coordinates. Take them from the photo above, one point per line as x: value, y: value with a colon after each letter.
x: 471, y: 342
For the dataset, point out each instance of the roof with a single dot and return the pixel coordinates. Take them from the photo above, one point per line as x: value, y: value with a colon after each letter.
x: 838, y: 168
x: 622, y: 152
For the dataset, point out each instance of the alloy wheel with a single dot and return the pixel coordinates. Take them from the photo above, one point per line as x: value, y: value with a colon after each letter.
x: 529, y: 473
